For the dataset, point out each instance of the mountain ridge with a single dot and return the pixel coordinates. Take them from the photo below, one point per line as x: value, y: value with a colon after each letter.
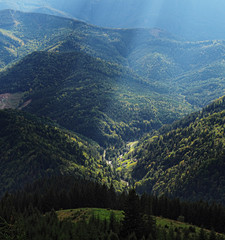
x: 196, y: 19
x: 186, y: 159
x: 152, y: 56
x: 111, y: 85
x: 53, y: 83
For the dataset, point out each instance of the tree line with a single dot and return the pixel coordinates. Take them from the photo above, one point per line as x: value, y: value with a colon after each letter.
x: 24, y: 212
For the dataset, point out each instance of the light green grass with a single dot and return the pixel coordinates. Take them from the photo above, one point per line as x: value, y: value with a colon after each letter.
x: 76, y: 215
x: 84, y: 214
x: 168, y: 223
x: 163, y: 222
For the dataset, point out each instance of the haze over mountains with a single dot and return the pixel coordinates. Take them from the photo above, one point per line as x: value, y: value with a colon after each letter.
x: 189, y: 19
x: 135, y: 80
x: 111, y: 86
x: 117, y: 104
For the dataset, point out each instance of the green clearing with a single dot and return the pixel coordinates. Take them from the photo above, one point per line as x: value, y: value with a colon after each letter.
x: 184, y: 228
x: 126, y: 162
x: 76, y: 215
x: 84, y: 214
x: 164, y: 223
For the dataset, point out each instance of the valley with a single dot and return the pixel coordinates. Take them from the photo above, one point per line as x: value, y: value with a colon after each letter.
x: 113, y: 86
x: 112, y: 129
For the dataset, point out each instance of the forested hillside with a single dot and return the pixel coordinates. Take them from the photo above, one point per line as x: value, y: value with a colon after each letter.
x: 185, y: 159
x: 90, y: 115
x: 153, y: 53
x: 32, y: 148
x: 198, y: 20
x: 103, y: 101
x: 112, y: 85
x: 66, y: 208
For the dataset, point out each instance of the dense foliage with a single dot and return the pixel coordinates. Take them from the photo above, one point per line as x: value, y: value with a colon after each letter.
x: 101, y: 100
x: 29, y: 214
x: 137, y: 80
x: 187, y: 158
x: 31, y: 149
x: 152, y: 53
x: 113, y: 86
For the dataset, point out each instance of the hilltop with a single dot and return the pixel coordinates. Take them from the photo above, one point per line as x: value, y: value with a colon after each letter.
x: 154, y: 79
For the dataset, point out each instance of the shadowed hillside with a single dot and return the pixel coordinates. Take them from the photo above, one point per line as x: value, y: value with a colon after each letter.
x: 32, y: 149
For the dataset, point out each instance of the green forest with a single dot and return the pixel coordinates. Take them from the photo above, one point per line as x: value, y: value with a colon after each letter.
x: 109, y: 134
x: 185, y: 159
x: 93, y: 211
x: 32, y: 148
x: 100, y: 100
x: 110, y: 85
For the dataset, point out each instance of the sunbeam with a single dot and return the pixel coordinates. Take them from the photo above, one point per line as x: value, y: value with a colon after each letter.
x: 150, y: 13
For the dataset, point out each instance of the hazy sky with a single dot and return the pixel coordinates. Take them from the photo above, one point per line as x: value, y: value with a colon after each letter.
x: 192, y: 19
x: 201, y: 19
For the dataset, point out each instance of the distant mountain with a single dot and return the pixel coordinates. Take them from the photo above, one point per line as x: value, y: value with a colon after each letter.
x: 191, y: 20
x: 186, y: 159
x: 22, y: 33
x: 32, y: 148
x: 39, y: 6
x: 47, y: 32
x: 103, y: 101
x: 193, y: 70
x: 117, y: 84
x: 112, y: 86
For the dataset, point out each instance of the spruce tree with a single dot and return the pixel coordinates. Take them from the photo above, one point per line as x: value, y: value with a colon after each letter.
x: 133, y: 222
x: 202, y: 235
x: 212, y: 235
x: 112, y: 236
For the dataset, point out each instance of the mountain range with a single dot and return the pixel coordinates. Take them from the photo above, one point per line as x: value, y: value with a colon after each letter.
x: 191, y: 20
x: 104, y: 88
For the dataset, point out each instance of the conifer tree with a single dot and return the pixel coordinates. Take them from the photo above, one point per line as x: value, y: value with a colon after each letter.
x: 202, y: 235
x: 212, y: 235
x: 112, y: 236
x: 133, y: 222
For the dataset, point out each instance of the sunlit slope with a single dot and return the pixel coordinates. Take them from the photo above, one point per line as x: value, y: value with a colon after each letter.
x: 101, y: 100
x: 32, y: 149
x: 186, y: 159
x: 193, y: 20
x: 192, y: 70
x: 23, y: 33
x: 112, y: 85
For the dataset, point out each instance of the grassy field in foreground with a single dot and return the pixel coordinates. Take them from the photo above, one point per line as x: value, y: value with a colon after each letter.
x: 167, y: 224
x: 85, y: 213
